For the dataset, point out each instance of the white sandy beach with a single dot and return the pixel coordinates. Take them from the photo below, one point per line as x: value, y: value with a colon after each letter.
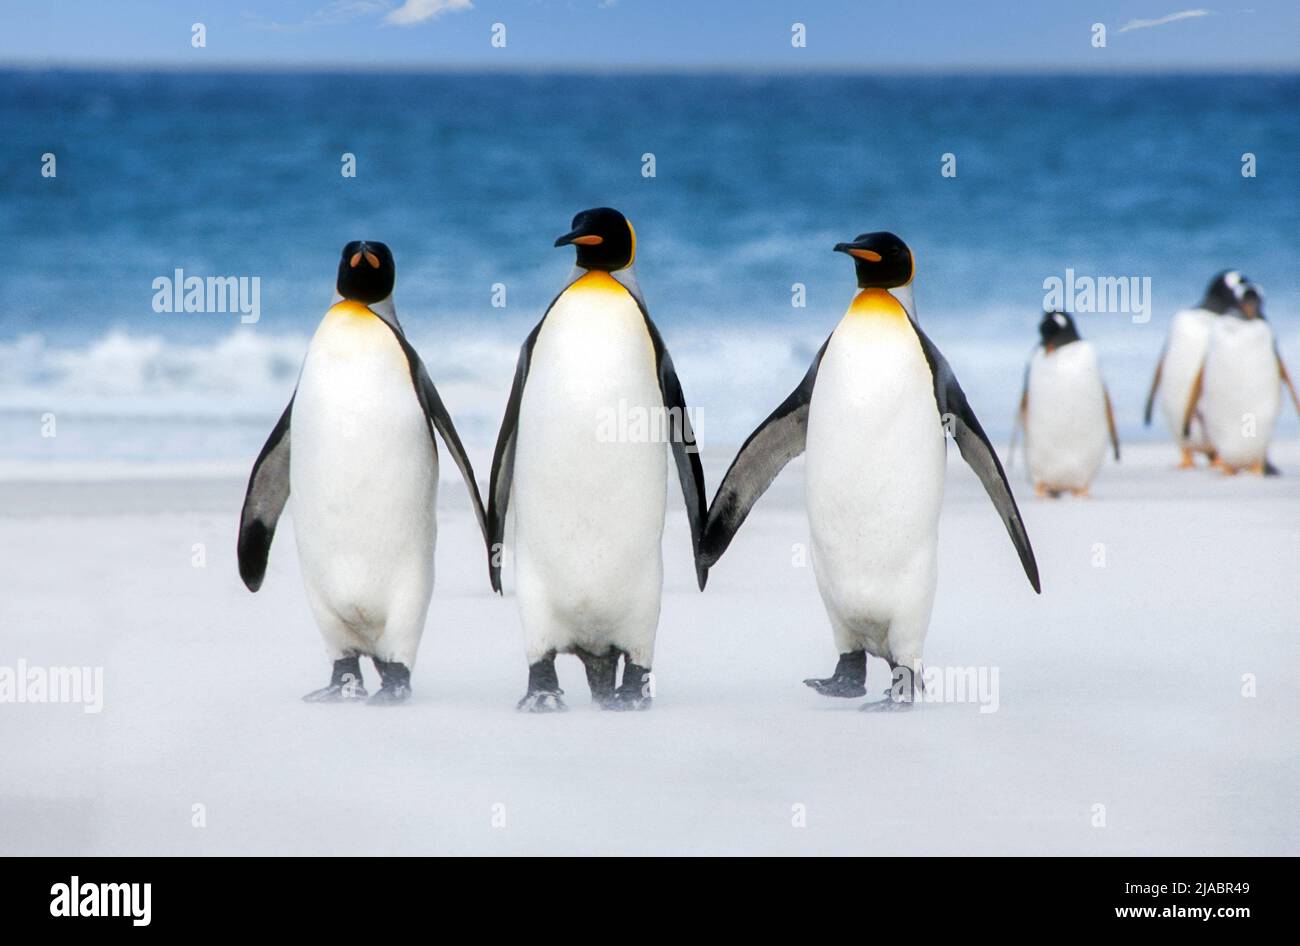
x: 1121, y: 686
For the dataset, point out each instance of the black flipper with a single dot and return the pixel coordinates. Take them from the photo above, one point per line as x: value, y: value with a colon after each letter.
x: 1155, y: 384
x: 268, y: 490
x: 1193, y: 398
x: 774, y: 443
x: 686, y: 451
x: 1110, y: 423
x: 436, y: 414
x: 1286, y: 376
x: 960, y: 420
x: 503, y: 461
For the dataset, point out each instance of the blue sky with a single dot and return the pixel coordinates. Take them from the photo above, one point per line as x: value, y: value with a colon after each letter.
x: 864, y: 34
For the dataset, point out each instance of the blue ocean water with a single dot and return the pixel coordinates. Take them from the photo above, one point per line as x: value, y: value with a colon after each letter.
x: 470, y: 177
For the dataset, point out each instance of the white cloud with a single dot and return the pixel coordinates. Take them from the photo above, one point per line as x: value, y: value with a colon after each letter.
x: 417, y: 11
x: 1162, y: 20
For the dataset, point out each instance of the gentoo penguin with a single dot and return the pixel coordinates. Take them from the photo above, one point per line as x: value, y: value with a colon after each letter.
x: 1182, y: 357
x: 355, y: 447
x: 589, y: 502
x: 1238, y: 390
x: 1065, y: 410
x: 871, y: 414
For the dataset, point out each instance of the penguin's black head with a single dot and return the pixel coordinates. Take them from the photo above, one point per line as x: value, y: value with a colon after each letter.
x: 604, y: 238
x: 1057, y: 329
x: 1252, y: 302
x: 1225, y: 292
x: 882, y: 260
x: 366, y: 272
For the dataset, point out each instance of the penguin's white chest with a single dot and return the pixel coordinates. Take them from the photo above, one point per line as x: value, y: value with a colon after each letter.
x: 1189, y: 339
x: 363, y: 477
x: 1241, y: 390
x: 590, y: 475
x: 874, y: 470
x: 1066, y: 427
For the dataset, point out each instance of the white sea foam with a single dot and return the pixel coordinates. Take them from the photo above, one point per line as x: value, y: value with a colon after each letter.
x: 141, y: 396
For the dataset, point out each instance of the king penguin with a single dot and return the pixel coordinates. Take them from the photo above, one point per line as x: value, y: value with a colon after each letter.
x: 355, y: 447
x: 589, y: 502
x: 871, y: 414
x: 1065, y: 410
x: 1182, y: 357
x: 1237, y: 393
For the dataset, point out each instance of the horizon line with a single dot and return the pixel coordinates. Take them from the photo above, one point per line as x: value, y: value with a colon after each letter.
x: 683, y: 69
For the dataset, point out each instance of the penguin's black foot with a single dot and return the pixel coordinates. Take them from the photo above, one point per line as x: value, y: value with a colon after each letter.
x: 636, y: 691
x: 889, y: 704
x: 544, y: 691
x: 345, y: 684
x: 542, y: 701
x: 904, y: 692
x: 396, y: 688
x: 602, y: 672
x: 390, y: 696
x: 622, y: 703
x: 842, y: 687
x: 848, y: 681
x: 334, y: 694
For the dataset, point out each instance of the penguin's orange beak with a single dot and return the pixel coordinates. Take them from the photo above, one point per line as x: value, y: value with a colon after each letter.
x: 580, y: 238
x: 858, y: 252
x: 370, y: 258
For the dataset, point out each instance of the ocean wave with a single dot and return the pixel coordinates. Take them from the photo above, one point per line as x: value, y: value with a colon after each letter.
x: 129, y: 396
x: 125, y: 395
x: 120, y: 374
x: 250, y: 374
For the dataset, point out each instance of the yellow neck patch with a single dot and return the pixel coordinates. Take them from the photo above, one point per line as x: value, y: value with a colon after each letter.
x: 349, y: 307
x: 597, y: 280
x: 876, y: 303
